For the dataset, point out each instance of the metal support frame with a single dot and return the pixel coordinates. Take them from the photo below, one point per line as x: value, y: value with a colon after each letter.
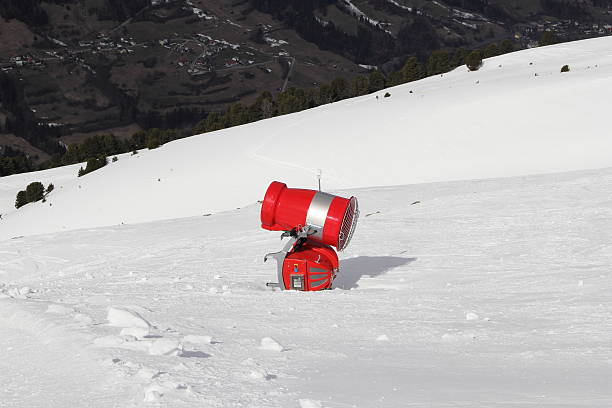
x: 280, y: 256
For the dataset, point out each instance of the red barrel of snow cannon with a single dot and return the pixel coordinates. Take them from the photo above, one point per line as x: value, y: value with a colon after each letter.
x: 332, y: 218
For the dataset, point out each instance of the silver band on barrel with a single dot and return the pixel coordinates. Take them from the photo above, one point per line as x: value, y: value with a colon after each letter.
x: 317, y: 212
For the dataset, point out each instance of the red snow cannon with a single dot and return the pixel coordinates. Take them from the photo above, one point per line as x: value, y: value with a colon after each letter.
x: 315, y: 222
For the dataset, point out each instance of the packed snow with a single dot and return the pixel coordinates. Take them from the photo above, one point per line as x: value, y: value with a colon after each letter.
x: 489, y: 293
x: 453, y: 293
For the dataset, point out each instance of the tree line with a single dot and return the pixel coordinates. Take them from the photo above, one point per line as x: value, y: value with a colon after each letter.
x: 296, y: 99
x: 14, y: 161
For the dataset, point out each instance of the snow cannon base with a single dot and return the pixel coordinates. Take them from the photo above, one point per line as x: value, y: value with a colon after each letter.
x: 305, y: 265
x: 311, y: 267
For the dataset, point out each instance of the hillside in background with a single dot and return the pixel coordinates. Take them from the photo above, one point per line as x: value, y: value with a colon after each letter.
x: 519, y: 114
x: 73, y: 69
x: 471, y: 280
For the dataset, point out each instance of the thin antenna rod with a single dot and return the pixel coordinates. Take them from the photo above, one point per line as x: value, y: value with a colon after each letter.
x: 319, y: 178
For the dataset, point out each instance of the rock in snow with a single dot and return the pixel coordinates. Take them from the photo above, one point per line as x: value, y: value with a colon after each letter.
x: 268, y: 343
x: 121, y: 317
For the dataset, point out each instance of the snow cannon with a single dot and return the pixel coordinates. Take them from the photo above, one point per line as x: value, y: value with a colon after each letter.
x: 315, y: 222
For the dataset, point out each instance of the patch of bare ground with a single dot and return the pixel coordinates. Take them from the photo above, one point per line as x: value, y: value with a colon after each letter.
x: 9, y: 139
x: 14, y: 37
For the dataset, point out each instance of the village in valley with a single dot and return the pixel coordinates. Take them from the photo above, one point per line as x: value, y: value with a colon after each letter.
x: 172, y: 62
x: 193, y: 51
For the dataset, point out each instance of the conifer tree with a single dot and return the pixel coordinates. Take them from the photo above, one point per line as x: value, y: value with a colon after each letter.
x: 412, y: 70
x: 395, y: 78
x: 458, y: 58
x: 339, y: 89
x: 325, y: 95
x: 377, y: 81
x: 34, y: 192
x: 21, y: 199
x: 506, y: 46
x: 491, y: 51
x: 548, y: 38
x: 474, y: 60
x: 437, y: 63
x: 361, y: 85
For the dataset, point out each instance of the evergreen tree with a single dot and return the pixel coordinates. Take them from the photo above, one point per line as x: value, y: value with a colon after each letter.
x: 237, y: 114
x: 268, y: 108
x: 152, y: 139
x: 491, y: 51
x: 34, y: 192
x: 395, y: 78
x: 361, y: 85
x: 256, y: 110
x: 93, y: 164
x: 458, y: 58
x: 506, y: 46
x: 21, y: 199
x: 412, y: 70
x: 474, y: 60
x: 291, y: 100
x: 50, y: 188
x: 339, y: 89
x: 325, y: 95
x: 437, y: 63
x: 377, y: 81
x: 548, y: 38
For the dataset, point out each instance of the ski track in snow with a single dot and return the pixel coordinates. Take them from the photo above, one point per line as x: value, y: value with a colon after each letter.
x: 489, y: 293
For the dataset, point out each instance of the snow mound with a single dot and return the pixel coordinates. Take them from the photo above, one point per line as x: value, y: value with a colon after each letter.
x: 165, y: 347
x: 122, y: 317
x: 193, y: 339
x: 308, y: 403
x: 137, y: 332
x: 268, y: 343
x: 153, y: 393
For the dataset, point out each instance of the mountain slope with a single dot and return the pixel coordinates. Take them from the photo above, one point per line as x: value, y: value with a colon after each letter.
x: 517, y: 115
x: 487, y: 293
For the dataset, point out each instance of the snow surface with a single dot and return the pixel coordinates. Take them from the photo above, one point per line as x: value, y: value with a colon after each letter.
x: 487, y: 293
x: 500, y: 121
x: 529, y: 256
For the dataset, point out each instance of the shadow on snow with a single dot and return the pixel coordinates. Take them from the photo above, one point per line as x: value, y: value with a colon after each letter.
x: 353, y: 269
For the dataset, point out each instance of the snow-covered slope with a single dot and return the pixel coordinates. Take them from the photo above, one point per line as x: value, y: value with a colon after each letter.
x: 484, y: 294
x: 517, y: 115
